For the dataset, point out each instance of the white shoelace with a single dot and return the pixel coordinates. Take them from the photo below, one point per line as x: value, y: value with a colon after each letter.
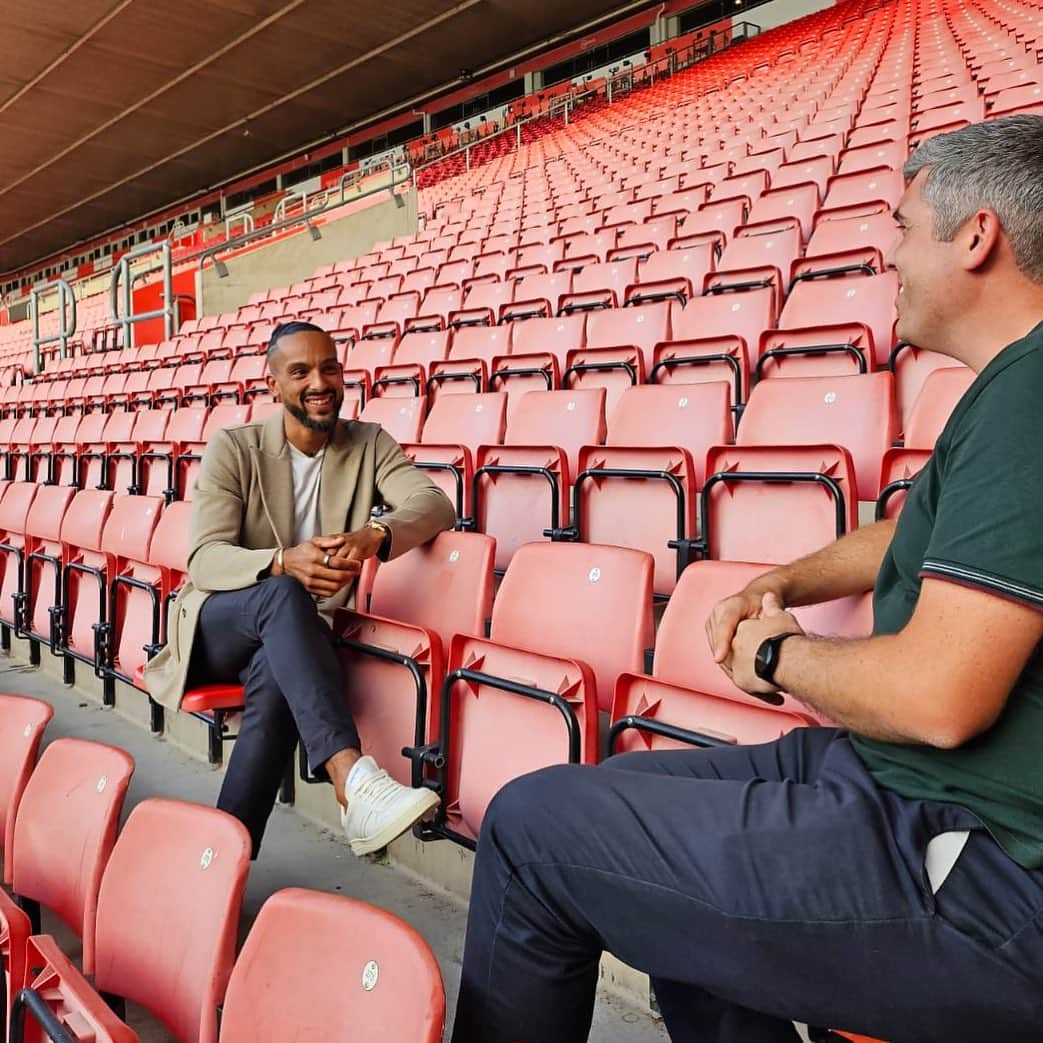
x: 377, y: 789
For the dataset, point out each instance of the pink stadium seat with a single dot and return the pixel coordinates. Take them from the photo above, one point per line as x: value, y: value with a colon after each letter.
x: 468, y: 365
x: 416, y: 352
x: 43, y: 568
x: 456, y: 426
x: 669, y: 274
x: 688, y: 699
x: 413, y: 607
x: 402, y: 418
x: 278, y: 990
x: 568, y: 618
x: 523, y: 484
x: 15, y: 546
x: 22, y: 724
x: 539, y: 348
x: 856, y: 413
x: 640, y: 489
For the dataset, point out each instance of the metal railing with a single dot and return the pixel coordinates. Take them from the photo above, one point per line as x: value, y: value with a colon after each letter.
x: 307, y: 216
x: 121, y: 278
x: 243, y: 216
x: 66, y: 325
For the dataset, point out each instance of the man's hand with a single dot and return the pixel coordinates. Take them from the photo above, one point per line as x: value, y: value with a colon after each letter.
x: 354, y: 546
x: 772, y: 619
x: 319, y: 565
x: 729, y: 613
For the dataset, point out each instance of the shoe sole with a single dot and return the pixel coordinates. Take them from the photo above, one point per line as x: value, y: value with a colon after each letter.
x: 398, y: 826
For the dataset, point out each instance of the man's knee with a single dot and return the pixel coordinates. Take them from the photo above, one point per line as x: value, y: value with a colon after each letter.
x: 284, y: 593
x: 531, y: 805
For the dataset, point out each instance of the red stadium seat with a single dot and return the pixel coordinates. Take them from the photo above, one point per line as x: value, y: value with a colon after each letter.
x: 568, y: 618
x: 277, y: 989
x: 394, y: 652
x: 402, y: 418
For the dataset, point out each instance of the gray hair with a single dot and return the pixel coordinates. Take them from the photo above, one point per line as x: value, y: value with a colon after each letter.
x: 996, y: 165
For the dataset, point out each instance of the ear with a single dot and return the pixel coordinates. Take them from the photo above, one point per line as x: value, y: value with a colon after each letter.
x: 980, y: 239
x: 273, y: 386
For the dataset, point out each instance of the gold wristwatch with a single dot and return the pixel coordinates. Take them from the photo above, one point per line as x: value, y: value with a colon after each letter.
x: 385, y: 545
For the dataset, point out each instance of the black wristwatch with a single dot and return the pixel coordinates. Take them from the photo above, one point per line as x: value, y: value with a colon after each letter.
x: 766, y: 661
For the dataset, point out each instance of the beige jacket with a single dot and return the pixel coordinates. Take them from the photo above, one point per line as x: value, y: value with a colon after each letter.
x: 242, y: 512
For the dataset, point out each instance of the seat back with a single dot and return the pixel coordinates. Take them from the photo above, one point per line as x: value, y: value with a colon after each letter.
x: 938, y: 397
x: 402, y: 418
x: 383, y: 984
x: 567, y: 419
x: 71, y: 803
x: 469, y: 420
x: 168, y: 912
x: 445, y: 585
x: 854, y: 412
x: 587, y: 602
x: 22, y: 722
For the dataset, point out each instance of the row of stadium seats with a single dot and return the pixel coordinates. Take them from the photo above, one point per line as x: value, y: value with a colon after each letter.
x: 156, y: 906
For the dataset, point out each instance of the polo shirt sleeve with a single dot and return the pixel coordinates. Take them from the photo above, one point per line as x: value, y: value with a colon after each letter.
x: 988, y: 527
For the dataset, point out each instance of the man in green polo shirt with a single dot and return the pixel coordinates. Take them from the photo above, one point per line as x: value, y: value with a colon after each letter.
x: 884, y: 877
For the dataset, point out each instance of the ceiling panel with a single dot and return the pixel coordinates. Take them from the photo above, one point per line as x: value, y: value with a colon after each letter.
x: 151, y: 106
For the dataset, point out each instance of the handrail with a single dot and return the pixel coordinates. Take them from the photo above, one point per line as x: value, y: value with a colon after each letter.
x: 66, y: 298
x: 121, y: 272
x: 240, y: 215
x: 304, y: 218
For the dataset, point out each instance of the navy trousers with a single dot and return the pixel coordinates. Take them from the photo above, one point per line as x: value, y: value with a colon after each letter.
x: 271, y: 639
x: 758, y: 886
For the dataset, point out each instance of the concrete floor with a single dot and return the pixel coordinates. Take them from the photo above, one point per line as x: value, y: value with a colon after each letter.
x: 295, y: 853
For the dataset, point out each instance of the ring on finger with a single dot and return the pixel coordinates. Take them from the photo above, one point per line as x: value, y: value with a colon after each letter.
x: 326, y: 561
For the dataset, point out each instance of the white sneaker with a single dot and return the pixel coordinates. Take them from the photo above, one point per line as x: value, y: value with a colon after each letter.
x: 381, y: 809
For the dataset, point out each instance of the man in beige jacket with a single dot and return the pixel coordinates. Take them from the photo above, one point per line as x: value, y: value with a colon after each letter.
x: 281, y: 523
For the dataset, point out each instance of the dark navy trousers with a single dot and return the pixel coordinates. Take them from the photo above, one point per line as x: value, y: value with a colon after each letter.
x: 758, y: 886
x: 271, y: 639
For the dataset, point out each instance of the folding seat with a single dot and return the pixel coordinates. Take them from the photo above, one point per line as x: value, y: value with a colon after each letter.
x: 22, y: 724
x: 587, y: 248
x: 856, y: 413
x: 601, y: 285
x: 866, y: 192
x: 751, y: 185
x: 672, y: 273
x: 682, y: 203
x: 859, y: 244
x: 455, y: 273
x: 15, y: 502
x: 435, y: 308
x: 419, y: 281
x: 277, y: 989
x: 412, y: 608
x: 580, y: 224
x: 493, y: 264
x: 156, y: 461
x: 1026, y: 98
x: 16, y: 448
x: 539, y: 348
x: 413, y: 356
x: 181, y: 869
x: 505, y: 244
x: 715, y: 338
x: 939, y: 395
x: 91, y: 451
x: 688, y: 700
x: 395, y: 312
x: 891, y: 155
x: 722, y: 216
x: 190, y: 452
x: 627, y: 213
x: 526, y: 480
x: 619, y: 349
x: 946, y: 117
x: 93, y: 399
x: 587, y: 609
x: 758, y: 259
x: 71, y: 802
x: 359, y: 316
x: 911, y: 367
x: 402, y: 418
x: 793, y: 206
x: 466, y: 368
x: 34, y: 466
x: 41, y: 588
x: 538, y: 295
x: 640, y: 489
x: 456, y: 426
x: 385, y: 287
x: 95, y: 524
x: 832, y: 325
x: 885, y: 130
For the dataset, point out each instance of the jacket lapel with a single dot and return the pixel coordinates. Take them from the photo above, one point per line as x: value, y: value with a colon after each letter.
x: 275, y: 478
x: 340, y: 472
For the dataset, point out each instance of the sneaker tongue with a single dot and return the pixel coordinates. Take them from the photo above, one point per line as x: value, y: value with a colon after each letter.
x: 361, y: 770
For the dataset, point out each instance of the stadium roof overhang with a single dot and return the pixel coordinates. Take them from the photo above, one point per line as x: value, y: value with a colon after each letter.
x: 110, y: 109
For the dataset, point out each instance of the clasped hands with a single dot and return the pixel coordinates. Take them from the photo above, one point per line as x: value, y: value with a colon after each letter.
x: 736, y: 628
x: 324, y: 565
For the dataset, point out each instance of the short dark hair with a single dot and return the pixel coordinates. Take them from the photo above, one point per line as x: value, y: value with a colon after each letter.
x: 286, y: 329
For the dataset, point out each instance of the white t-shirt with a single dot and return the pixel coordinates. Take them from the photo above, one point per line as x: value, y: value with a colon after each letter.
x: 307, y: 471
